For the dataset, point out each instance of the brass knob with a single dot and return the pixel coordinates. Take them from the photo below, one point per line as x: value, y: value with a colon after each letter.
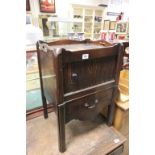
x: 74, y: 77
x: 86, y: 104
x: 96, y: 100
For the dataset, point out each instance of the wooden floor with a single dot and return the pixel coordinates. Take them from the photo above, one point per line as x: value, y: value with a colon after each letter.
x: 82, y: 138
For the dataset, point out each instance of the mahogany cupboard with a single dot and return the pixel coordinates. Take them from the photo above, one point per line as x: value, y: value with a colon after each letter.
x: 80, y: 78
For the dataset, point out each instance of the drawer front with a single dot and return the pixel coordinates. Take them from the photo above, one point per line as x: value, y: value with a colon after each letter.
x: 87, y: 107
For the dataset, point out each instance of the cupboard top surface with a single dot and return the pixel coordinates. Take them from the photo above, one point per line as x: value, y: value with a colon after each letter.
x: 78, y: 47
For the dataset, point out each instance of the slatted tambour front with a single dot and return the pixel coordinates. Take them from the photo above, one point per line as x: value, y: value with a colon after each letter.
x: 83, y: 74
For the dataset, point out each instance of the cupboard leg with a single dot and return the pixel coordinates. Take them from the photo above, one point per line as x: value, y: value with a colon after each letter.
x: 111, y: 110
x: 61, y: 128
x: 111, y: 107
x: 45, y: 107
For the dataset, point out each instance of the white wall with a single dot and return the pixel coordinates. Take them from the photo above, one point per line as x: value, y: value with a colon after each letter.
x: 118, y: 6
x: 125, y: 9
x: 89, y: 2
x: 63, y: 7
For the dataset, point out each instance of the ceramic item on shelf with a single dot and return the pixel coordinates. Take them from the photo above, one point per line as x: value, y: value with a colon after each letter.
x: 71, y: 35
x: 80, y: 35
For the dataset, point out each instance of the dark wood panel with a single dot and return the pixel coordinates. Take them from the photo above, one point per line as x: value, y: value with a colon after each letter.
x: 48, y: 75
x: 87, y: 107
x: 66, y: 41
x: 79, y: 75
x: 69, y: 56
x: 90, y: 90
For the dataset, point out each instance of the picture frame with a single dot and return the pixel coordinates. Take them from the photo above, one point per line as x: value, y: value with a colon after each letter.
x: 112, y: 25
x: 28, y: 8
x: 47, y: 6
x: 106, y: 24
x: 122, y: 27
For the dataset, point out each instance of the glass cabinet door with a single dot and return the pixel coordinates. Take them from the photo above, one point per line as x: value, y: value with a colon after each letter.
x: 33, y: 92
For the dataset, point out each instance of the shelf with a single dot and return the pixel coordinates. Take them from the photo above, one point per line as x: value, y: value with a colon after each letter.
x: 97, y: 27
x: 89, y: 16
x: 80, y: 23
x: 88, y: 22
x: 78, y: 15
x: 92, y: 19
x: 69, y: 20
x: 77, y: 21
x: 97, y: 22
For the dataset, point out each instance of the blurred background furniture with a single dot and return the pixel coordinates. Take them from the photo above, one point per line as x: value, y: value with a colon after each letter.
x: 121, y: 120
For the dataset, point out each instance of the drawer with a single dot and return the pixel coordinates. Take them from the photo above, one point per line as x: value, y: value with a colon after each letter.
x: 87, y: 107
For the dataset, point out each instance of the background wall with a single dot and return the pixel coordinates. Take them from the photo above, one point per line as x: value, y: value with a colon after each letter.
x: 63, y: 7
x: 119, y: 6
x: 63, y: 10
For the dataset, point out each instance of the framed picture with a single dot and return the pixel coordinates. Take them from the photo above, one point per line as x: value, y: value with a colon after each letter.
x: 106, y: 24
x: 28, y: 5
x: 112, y: 25
x: 47, y: 6
x: 121, y: 28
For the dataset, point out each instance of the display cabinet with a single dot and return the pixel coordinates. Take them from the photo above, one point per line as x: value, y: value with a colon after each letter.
x: 92, y: 19
x: 78, y: 15
x: 34, y: 104
x: 33, y: 93
x: 58, y: 28
x: 98, y: 22
x: 84, y: 19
